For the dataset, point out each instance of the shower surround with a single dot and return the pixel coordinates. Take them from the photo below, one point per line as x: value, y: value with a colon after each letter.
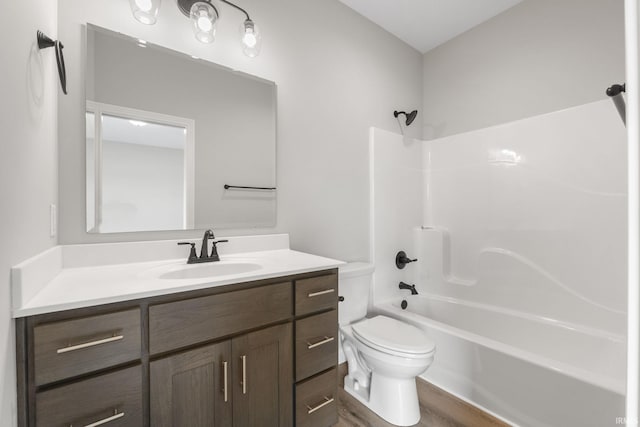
x: 520, y: 233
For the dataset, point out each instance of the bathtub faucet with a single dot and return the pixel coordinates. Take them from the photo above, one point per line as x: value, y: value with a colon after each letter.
x: 408, y: 287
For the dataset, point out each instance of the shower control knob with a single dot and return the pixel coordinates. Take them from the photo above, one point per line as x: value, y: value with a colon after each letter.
x: 402, y: 259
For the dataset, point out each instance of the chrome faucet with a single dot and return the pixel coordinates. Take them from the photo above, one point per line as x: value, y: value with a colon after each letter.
x: 204, y: 249
x: 408, y: 287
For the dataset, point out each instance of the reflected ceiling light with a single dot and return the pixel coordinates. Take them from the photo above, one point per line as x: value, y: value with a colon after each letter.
x: 204, y: 16
x: 145, y: 11
x: 138, y: 123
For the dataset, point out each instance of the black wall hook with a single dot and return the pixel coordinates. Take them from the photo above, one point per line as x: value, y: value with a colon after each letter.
x: 45, y: 42
x: 615, y: 93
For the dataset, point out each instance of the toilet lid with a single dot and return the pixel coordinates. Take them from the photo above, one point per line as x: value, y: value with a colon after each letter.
x: 392, y: 334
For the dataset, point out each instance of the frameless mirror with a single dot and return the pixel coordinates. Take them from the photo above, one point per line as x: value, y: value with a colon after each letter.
x: 174, y: 142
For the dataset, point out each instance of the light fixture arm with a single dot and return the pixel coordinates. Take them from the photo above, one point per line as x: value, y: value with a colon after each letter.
x: 237, y: 7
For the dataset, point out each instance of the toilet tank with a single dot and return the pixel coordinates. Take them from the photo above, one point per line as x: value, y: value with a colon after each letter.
x: 354, y: 284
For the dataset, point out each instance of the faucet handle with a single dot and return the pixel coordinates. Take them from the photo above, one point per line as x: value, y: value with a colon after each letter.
x: 192, y: 253
x: 214, y: 250
x: 402, y: 259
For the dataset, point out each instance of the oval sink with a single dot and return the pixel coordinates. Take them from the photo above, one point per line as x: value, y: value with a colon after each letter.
x: 202, y: 271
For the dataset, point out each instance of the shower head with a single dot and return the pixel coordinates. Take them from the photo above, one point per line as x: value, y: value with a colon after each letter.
x: 410, y: 116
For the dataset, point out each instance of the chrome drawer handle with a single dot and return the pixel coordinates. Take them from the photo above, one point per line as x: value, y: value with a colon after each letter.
x: 316, y: 294
x: 114, y: 417
x: 224, y: 385
x: 319, y: 343
x: 244, y: 374
x: 89, y: 344
x: 327, y: 400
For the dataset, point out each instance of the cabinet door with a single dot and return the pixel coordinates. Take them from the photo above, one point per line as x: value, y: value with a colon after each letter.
x: 192, y: 389
x: 263, y: 378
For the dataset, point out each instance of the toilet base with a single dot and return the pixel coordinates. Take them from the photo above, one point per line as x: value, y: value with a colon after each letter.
x: 394, y: 400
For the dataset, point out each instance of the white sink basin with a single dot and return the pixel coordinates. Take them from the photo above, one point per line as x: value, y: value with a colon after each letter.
x: 202, y: 271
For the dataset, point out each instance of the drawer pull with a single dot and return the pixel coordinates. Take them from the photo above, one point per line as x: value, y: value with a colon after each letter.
x: 224, y: 381
x: 317, y: 294
x: 114, y: 417
x: 319, y: 343
x: 327, y: 400
x: 244, y: 374
x: 89, y: 344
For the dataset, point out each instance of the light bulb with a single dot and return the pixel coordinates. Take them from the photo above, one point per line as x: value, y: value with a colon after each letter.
x: 251, y: 38
x: 145, y: 11
x: 204, y: 17
x: 204, y: 24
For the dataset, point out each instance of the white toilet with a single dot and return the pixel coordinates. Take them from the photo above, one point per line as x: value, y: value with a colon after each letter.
x: 384, y: 355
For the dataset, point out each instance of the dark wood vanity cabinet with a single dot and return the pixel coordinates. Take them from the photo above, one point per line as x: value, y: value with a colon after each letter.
x: 244, y: 381
x: 316, y: 343
x: 253, y: 354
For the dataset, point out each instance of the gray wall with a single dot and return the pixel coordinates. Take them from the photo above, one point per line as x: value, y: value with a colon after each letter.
x: 337, y: 75
x: 28, y: 160
x: 540, y: 56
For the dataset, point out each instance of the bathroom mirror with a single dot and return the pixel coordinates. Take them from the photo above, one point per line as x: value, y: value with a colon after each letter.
x: 174, y: 142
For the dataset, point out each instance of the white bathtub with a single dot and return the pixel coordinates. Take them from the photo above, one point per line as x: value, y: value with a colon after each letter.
x: 527, y: 370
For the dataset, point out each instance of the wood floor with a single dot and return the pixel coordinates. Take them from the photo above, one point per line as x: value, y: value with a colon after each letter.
x: 438, y: 409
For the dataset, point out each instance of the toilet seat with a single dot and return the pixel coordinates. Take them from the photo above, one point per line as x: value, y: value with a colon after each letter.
x: 393, y: 337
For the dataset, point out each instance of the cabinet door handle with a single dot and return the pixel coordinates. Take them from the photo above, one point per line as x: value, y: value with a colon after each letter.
x: 319, y: 343
x: 327, y: 400
x: 243, y: 383
x: 225, y: 377
x: 114, y: 417
x: 89, y: 344
x: 317, y: 294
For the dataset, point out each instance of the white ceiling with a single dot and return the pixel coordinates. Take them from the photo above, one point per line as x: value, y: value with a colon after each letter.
x: 425, y: 24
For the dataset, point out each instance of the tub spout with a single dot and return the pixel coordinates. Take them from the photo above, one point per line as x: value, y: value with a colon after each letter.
x: 411, y: 288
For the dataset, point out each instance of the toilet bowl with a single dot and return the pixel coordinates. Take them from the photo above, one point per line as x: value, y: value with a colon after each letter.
x: 384, y: 355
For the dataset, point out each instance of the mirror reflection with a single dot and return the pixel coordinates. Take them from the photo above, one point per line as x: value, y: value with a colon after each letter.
x: 167, y: 132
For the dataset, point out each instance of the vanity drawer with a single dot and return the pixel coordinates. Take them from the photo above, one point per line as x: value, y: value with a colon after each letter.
x: 72, y: 347
x: 316, y: 294
x: 115, y: 396
x: 316, y: 344
x: 317, y: 401
x: 183, y: 323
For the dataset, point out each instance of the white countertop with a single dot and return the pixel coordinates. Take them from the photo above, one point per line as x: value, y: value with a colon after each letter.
x: 70, y: 286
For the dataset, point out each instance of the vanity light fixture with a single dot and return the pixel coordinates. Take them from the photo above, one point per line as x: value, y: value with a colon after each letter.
x: 204, y: 16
